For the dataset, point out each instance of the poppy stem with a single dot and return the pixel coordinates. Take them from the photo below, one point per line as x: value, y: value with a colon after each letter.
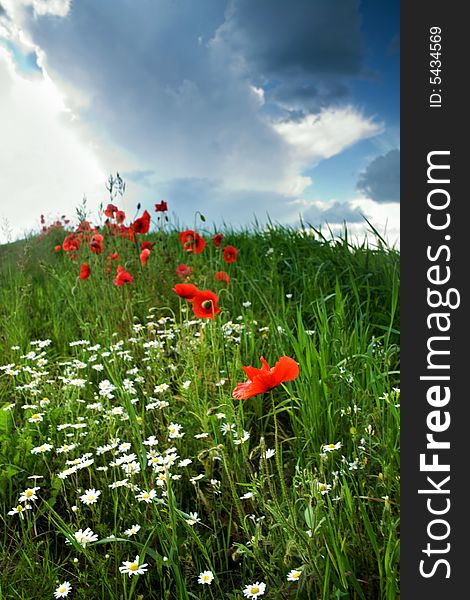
x: 278, y: 452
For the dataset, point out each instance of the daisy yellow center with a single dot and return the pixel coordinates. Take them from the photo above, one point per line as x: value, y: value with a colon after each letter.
x: 19, y: 508
x: 322, y: 486
x: 62, y: 589
x: 133, y: 567
x: 295, y: 575
x: 254, y: 589
x: 29, y: 493
x: 330, y: 446
x: 35, y: 417
x: 90, y: 497
x: 206, y: 577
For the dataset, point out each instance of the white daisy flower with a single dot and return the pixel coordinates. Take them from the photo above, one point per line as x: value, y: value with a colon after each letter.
x: 132, y: 530
x: 174, y: 431
x: 331, y: 447
x: 150, y: 441
x: 323, y: 488
x: 63, y: 590
x: 29, y: 494
x: 293, y: 575
x: 205, y: 577
x: 90, y: 496
x: 41, y: 449
x: 36, y: 418
x: 146, y: 496
x: 20, y: 510
x: 133, y: 567
x: 254, y: 590
x: 193, y: 519
x: 85, y: 537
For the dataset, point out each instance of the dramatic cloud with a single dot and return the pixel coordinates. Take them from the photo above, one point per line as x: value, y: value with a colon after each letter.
x: 327, y: 36
x: 306, y: 70
x: 223, y: 106
x: 381, y: 179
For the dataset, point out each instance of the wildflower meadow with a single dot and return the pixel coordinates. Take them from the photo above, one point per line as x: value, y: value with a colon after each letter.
x: 191, y: 412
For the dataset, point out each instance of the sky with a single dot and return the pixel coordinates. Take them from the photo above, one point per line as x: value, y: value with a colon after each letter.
x: 242, y: 110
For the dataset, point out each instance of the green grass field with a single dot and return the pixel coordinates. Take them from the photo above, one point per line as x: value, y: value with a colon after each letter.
x: 116, y: 413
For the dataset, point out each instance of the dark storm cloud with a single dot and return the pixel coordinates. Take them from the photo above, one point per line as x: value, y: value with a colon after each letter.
x: 306, y: 97
x: 337, y: 213
x: 190, y: 91
x: 381, y: 179
x: 304, y: 37
x: 159, y: 89
x: 309, y: 47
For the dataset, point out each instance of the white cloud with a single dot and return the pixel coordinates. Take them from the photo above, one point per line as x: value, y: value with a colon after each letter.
x: 316, y: 137
x: 384, y: 216
x: 56, y: 8
x: 46, y: 165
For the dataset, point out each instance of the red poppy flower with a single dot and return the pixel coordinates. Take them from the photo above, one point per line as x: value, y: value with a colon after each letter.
x: 120, y: 217
x: 58, y: 248
x: 122, y: 277
x: 161, y: 206
x: 186, y: 290
x: 146, y: 246
x: 84, y: 271
x: 192, y: 242
x: 144, y: 256
x: 113, y: 256
x: 266, y: 378
x: 71, y: 243
x: 142, y: 224
x: 205, y: 304
x: 222, y: 276
x: 96, y: 244
x: 217, y: 239
x: 110, y: 210
x: 183, y: 270
x: 230, y: 254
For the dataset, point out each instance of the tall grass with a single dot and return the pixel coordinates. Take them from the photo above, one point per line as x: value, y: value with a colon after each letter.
x: 333, y: 515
